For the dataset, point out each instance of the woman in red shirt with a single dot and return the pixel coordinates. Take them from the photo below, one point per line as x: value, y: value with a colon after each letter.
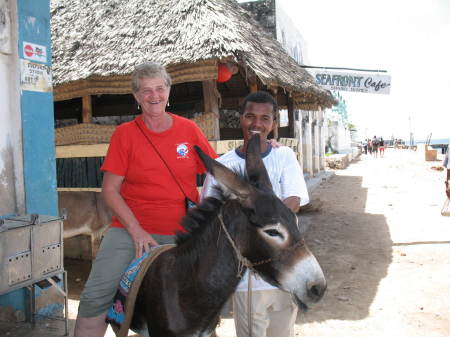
x: 149, y: 170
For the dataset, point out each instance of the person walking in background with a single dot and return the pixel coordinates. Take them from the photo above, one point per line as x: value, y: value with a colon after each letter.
x: 375, y: 144
x: 381, y: 147
x: 365, y: 145
x: 369, y: 146
x: 446, y: 165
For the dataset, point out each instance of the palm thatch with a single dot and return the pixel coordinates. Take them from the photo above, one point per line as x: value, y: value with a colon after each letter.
x: 97, y: 43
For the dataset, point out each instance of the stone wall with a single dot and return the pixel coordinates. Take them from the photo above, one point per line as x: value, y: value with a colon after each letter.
x: 264, y: 12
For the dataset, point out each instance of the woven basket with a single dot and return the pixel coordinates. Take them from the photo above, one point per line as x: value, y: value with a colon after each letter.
x: 206, y: 122
x: 84, y: 133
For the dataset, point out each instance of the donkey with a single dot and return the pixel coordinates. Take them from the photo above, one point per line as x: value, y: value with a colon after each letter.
x: 186, y: 287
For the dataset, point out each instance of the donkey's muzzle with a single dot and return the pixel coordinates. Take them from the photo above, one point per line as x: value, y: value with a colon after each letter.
x: 314, y: 293
x: 316, y: 290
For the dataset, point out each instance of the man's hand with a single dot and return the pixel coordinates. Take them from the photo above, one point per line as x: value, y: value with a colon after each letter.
x: 292, y: 203
x: 142, y: 240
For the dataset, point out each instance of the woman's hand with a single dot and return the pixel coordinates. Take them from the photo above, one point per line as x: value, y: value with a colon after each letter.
x: 141, y: 239
x: 111, y: 194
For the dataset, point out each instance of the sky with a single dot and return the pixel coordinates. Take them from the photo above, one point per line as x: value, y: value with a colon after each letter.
x: 410, y: 39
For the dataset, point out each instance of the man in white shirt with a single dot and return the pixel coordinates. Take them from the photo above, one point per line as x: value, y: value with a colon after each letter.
x: 446, y: 165
x: 273, y: 311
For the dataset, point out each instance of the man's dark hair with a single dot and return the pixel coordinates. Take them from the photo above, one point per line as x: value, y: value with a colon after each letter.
x: 260, y: 97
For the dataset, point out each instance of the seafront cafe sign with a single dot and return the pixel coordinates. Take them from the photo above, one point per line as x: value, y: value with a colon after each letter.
x: 372, y: 83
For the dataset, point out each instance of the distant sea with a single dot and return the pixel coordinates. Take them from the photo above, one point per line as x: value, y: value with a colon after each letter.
x: 434, y: 141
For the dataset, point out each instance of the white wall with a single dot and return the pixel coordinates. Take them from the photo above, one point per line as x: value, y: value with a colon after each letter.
x: 288, y: 34
x: 340, y: 137
x: 11, y: 167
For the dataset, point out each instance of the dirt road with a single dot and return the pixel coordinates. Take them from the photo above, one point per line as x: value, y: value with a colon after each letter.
x: 384, y: 248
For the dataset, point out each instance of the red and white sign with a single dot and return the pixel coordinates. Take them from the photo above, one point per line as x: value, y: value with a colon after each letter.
x: 34, y: 52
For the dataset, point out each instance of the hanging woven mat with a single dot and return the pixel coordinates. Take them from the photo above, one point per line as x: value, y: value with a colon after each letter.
x: 84, y: 133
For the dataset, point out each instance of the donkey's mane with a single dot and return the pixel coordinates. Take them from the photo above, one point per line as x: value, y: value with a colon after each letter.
x: 198, y: 218
x: 204, y: 213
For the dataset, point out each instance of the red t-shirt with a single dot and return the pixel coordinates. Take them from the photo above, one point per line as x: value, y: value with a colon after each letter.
x: 148, y: 188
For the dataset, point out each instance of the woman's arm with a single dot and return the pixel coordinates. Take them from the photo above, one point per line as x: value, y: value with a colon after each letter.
x: 111, y: 194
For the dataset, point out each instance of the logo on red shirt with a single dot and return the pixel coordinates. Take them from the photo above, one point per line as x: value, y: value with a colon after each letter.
x: 183, y: 150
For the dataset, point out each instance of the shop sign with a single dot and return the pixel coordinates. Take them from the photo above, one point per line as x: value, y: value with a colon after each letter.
x: 373, y: 83
x: 35, y: 76
x: 34, y: 52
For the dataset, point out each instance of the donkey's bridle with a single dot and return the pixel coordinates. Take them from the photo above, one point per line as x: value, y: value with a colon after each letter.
x: 242, y: 260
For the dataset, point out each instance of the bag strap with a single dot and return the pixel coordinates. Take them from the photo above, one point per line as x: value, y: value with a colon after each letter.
x: 159, y: 154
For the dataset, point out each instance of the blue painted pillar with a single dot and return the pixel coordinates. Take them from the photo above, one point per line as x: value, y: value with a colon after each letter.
x: 36, y: 101
x: 37, y: 111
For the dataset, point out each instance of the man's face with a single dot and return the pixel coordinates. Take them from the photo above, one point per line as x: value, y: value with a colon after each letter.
x: 257, y: 118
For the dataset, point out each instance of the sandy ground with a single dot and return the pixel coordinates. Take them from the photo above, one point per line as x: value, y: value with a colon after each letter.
x: 384, y: 248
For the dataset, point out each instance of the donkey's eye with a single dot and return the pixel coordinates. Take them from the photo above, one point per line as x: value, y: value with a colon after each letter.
x: 273, y: 232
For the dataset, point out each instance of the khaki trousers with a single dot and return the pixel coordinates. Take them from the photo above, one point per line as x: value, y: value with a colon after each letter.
x: 114, y: 256
x: 273, y: 310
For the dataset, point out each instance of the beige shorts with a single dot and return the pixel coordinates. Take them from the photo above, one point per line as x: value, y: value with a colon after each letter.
x: 114, y: 256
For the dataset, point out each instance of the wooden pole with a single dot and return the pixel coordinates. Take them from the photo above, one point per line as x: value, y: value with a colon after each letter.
x: 253, y: 84
x: 211, y: 104
x: 275, y: 131
x: 290, y: 107
x: 86, y: 113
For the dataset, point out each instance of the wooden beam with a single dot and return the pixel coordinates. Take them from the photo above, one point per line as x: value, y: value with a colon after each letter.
x: 253, y: 86
x: 79, y: 189
x: 77, y: 151
x: 275, y: 131
x: 211, y: 104
x: 86, y: 113
x: 290, y: 109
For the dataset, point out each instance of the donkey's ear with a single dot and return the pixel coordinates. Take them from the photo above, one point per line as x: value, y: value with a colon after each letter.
x: 256, y: 171
x: 230, y: 181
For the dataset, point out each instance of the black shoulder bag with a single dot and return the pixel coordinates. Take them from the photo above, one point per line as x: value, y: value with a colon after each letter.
x: 188, y: 203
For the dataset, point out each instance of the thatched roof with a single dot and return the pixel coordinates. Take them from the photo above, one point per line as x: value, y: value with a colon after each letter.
x: 97, y: 43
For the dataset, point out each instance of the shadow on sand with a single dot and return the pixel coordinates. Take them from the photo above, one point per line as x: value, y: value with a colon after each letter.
x: 354, y: 249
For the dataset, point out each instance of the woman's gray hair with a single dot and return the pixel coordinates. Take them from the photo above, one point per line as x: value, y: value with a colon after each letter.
x: 149, y: 70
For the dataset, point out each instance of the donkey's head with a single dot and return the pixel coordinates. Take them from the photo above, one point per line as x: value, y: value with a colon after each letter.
x: 269, y: 235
